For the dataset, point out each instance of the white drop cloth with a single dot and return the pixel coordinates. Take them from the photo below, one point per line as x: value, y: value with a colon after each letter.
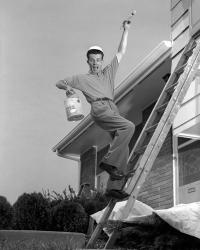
x: 183, y: 217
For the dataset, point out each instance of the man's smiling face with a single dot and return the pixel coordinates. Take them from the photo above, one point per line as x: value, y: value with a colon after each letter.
x: 95, y: 62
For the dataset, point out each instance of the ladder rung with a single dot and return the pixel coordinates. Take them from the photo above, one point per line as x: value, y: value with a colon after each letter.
x: 133, y: 157
x: 189, y: 52
x: 141, y: 150
x: 181, y: 69
x: 151, y: 128
x: 162, y: 107
x: 171, y: 88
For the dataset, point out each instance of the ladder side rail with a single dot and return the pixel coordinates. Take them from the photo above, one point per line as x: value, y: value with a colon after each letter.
x: 159, y: 101
x: 136, y: 167
x: 101, y: 224
x: 125, y: 212
x: 177, y: 100
x: 112, y: 238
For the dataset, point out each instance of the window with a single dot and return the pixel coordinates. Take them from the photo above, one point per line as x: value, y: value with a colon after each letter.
x: 189, y: 160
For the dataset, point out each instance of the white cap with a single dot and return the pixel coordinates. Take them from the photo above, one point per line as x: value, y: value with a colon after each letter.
x: 96, y: 48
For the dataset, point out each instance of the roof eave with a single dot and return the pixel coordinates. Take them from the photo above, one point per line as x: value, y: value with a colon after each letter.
x: 74, y: 157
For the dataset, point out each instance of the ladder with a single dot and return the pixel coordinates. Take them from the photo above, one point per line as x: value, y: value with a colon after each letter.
x: 154, y: 133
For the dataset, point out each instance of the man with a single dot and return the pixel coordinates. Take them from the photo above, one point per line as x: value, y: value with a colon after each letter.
x: 98, y: 88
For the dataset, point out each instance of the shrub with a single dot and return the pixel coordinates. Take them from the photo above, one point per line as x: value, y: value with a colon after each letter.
x: 6, y: 214
x: 31, y: 212
x: 155, y: 236
x: 69, y: 216
x: 96, y: 203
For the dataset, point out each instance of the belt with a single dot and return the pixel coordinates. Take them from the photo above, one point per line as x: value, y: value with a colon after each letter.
x: 103, y: 99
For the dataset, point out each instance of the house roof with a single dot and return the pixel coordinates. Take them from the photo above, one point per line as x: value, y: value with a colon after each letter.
x: 148, y: 72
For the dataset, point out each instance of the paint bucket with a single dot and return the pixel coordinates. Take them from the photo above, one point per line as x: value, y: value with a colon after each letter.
x: 73, y: 108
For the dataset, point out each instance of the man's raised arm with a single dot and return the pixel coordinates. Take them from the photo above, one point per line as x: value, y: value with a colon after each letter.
x: 124, y: 39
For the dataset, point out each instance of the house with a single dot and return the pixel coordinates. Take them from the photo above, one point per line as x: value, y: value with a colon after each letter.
x: 175, y: 176
x: 185, y: 23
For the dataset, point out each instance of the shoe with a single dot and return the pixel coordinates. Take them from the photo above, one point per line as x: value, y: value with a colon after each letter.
x: 114, y: 173
x: 116, y: 194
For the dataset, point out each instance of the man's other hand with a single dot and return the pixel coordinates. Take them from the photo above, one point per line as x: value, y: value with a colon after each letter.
x: 70, y: 92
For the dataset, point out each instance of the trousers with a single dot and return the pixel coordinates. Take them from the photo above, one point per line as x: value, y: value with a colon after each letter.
x: 106, y: 115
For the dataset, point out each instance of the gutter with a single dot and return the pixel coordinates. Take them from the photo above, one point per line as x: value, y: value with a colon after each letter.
x: 70, y: 156
x: 139, y: 73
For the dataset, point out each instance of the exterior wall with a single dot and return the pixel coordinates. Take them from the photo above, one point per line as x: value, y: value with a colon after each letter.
x: 157, y: 190
x: 189, y: 113
x: 185, y: 22
x: 195, y: 17
x: 180, y: 32
x: 88, y: 167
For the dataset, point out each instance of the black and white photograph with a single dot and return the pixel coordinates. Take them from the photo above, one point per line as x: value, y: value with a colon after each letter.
x: 99, y: 124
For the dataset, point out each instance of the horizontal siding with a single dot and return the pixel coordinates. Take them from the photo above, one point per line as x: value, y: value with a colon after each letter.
x: 179, y: 10
x: 195, y: 18
x: 157, y: 190
x: 190, y: 128
x: 180, y: 42
x: 180, y: 26
x: 193, y: 91
x: 180, y: 31
x: 174, y: 3
x: 187, y: 112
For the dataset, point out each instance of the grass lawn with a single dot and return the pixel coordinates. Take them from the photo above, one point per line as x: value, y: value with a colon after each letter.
x: 34, y: 245
x: 40, y: 240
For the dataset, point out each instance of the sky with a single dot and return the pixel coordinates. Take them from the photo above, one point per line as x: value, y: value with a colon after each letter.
x: 41, y: 42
